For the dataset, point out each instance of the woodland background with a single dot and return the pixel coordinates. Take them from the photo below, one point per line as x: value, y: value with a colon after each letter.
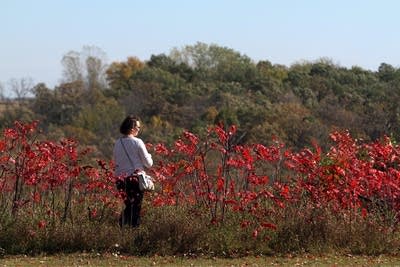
x: 204, y: 84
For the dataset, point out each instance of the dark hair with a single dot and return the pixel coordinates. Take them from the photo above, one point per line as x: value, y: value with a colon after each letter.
x: 128, y: 124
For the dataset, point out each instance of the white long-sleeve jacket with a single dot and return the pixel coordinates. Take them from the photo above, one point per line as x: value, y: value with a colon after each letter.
x: 138, y: 154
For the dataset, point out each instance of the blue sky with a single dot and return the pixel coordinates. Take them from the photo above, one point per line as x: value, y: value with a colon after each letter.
x: 36, y: 34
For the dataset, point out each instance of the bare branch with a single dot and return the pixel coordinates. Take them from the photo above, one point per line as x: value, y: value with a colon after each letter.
x: 21, y: 87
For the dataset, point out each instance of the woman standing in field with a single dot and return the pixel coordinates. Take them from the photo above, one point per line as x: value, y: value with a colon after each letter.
x: 130, y: 157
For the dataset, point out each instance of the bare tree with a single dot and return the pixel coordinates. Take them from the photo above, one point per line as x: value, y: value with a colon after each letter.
x: 2, y: 96
x: 88, y: 66
x: 21, y: 87
x: 73, y: 68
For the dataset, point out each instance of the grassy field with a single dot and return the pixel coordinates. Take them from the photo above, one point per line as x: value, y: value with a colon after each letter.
x: 120, y: 260
x: 2, y: 106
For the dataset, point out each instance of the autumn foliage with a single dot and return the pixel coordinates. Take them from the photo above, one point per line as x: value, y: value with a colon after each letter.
x: 50, y: 182
x: 257, y: 180
x: 213, y: 176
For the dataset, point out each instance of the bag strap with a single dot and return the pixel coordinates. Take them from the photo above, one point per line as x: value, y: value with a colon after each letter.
x: 126, y: 152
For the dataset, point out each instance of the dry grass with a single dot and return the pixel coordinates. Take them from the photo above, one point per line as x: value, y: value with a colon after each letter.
x: 7, y: 103
x: 170, y: 231
x: 2, y: 106
x: 121, y: 260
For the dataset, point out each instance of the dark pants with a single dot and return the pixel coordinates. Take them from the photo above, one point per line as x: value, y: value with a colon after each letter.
x: 133, y: 203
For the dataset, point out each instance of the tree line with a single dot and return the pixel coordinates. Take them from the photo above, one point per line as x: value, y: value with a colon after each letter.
x: 205, y: 84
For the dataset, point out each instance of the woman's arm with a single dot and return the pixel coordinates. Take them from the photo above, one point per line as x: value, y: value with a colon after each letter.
x: 145, y: 156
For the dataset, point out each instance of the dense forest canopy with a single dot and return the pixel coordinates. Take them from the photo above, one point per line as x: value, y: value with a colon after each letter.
x: 203, y: 84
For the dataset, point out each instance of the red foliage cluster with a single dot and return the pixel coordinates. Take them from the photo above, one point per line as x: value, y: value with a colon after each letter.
x: 49, y: 176
x: 257, y: 179
x: 213, y: 173
x: 350, y: 175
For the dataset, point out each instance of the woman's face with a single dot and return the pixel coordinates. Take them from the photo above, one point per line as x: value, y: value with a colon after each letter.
x: 135, y: 130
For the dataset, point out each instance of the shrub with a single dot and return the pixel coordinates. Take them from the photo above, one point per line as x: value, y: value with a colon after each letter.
x: 215, y: 196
